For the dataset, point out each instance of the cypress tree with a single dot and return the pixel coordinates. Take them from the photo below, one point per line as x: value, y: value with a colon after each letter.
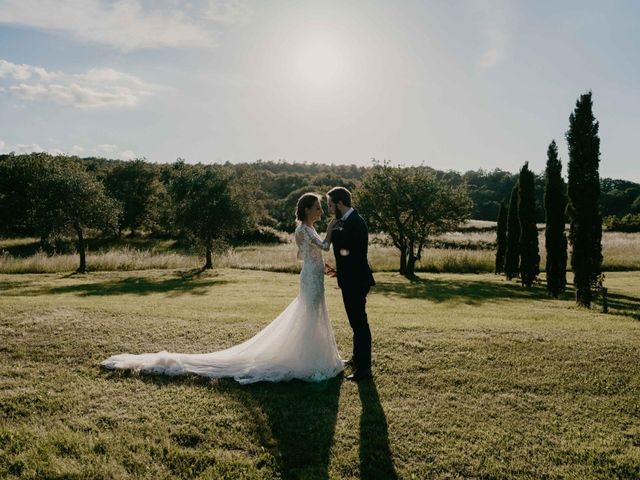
x: 584, y: 191
x: 501, y: 238
x: 512, y: 253
x: 529, y: 254
x: 555, y: 204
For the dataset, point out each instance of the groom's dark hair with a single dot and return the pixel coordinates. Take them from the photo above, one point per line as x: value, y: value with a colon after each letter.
x: 340, y: 194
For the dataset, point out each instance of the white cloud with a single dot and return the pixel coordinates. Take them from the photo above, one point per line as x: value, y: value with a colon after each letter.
x: 228, y: 11
x: 102, y: 150
x: 97, y: 88
x: 105, y: 148
x: 495, y: 21
x: 124, y: 24
x: 19, y: 148
x: 127, y: 155
x: 496, y: 49
x: 109, y: 150
x: 18, y: 72
x: 75, y: 95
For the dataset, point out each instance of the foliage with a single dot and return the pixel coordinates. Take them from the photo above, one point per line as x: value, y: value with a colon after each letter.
x: 619, y: 197
x: 18, y: 174
x: 136, y: 184
x: 487, y: 189
x: 142, y: 188
x: 555, y: 203
x: 529, y: 252
x: 70, y: 201
x: 54, y: 196
x: 583, y: 192
x: 512, y: 253
x: 409, y: 204
x: 628, y: 223
x: 208, y: 206
x: 501, y: 237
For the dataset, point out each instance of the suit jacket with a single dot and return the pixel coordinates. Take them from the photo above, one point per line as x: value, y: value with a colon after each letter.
x: 350, y: 241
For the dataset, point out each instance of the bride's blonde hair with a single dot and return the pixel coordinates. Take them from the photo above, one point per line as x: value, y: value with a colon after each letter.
x: 306, y: 201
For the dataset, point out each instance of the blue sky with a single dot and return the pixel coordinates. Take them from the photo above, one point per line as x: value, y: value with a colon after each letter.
x: 459, y: 85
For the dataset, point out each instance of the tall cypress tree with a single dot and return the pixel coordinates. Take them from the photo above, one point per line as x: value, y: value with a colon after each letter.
x: 584, y: 192
x: 501, y: 238
x: 512, y: 253
x: 529, y: 254
x: 555, y: 204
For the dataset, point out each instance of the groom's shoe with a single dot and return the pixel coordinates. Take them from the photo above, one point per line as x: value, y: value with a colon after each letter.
x: 359, y: 375
x: 348, y: 363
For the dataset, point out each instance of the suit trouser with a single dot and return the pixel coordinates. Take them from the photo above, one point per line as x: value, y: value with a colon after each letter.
x: 354, y: 303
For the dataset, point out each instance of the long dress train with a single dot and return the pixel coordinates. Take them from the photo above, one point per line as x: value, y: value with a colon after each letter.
x: 298, y: 344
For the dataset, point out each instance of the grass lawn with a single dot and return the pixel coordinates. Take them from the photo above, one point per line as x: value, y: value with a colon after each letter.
x: 474, y: 377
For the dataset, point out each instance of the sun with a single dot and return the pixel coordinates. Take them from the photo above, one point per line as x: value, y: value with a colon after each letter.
x: 321, y: 63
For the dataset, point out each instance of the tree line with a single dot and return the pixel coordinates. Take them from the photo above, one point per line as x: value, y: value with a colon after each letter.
x: 209, y: 206
x: 517, y: 252
x: 280, y: 184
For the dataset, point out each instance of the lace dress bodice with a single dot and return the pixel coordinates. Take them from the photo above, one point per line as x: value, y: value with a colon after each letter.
x: 310, y: 248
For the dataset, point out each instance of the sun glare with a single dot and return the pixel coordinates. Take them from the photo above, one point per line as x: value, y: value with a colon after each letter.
x: 321, y: 63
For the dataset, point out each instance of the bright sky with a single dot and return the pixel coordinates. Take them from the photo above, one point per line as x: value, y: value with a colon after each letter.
x: 452, y: 84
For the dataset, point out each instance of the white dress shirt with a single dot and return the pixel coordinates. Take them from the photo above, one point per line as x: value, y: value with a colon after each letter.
x: 347, y: 213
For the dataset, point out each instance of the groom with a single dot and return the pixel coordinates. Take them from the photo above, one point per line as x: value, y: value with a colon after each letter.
x: 350, y: 242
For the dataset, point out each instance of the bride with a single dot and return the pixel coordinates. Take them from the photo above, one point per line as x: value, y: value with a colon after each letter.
x: 298, y: 344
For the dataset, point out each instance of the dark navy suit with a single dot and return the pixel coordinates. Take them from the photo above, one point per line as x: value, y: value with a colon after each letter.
x: 350, y: 244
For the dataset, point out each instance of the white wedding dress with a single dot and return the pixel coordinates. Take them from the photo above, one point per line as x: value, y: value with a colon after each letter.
x: 298, y: 344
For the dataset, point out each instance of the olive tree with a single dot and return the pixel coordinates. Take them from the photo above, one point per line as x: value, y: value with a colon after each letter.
x: 409, y: 204
x: 210, y: 207
x: 67, y: 199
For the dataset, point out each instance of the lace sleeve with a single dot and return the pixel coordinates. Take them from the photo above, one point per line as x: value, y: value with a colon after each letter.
x: 299, y: 242
x: 311, y: 237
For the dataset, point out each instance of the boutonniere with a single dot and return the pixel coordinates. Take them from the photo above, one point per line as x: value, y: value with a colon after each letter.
x: 339, y: 225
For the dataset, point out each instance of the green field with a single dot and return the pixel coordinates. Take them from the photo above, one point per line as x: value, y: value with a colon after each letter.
x: 475, y: 377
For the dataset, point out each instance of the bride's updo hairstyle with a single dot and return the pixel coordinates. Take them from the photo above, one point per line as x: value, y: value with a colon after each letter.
x: 305, y: 201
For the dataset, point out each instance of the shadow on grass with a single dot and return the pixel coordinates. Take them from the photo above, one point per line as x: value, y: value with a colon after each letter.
x: 294, y: 421
x: 12, y: 285
x: 185, y: 282
x: 468, y: 291
x: 479, y: 291
x: 68, y: 246
x: 375, y: 454
x: 624, y: 305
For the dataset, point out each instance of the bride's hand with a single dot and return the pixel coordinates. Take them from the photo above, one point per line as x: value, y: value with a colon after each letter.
x: 332, y: 224
x: 329, y: 270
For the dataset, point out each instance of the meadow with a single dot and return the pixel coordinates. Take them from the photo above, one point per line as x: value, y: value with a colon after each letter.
x: 474, y: 377
x: 469, y: 250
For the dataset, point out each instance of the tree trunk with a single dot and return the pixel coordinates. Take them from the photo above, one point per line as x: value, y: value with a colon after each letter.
x: 403, y: 261
x: 208, y: 264
x: 411, y: 265
x: 411, y: 261
x: 83, y: 262
x: 583, y: 288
